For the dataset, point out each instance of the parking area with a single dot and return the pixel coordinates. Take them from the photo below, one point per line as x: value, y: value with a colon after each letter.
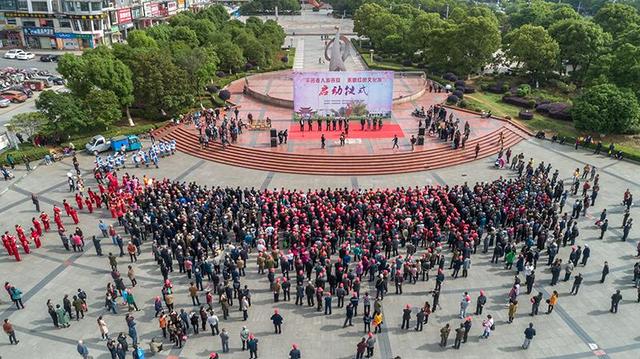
x: 27, y: 64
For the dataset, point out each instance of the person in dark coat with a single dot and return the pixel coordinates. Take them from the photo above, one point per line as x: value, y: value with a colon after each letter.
x: 277, y: 320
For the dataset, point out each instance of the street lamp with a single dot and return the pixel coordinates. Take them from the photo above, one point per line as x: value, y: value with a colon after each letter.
x: 371, y: 55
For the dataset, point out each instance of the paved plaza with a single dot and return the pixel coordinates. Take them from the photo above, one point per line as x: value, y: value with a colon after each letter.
x: 581, y: 326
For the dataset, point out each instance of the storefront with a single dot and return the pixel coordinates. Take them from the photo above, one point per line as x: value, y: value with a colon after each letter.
x: 71, y: 41
x: 10, y: 36
x: 39, y: 37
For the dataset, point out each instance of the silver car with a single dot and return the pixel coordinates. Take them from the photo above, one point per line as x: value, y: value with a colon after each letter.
x: 4, y: 102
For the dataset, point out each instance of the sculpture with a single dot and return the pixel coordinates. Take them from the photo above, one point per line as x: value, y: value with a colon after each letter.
x: 339, y: 46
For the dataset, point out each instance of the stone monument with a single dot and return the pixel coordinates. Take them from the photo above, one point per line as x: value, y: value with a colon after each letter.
x: 339, y: 48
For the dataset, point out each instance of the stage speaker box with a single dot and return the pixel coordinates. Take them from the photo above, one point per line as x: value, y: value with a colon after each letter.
x: 274, y: 133
x: 274, y: 142
x: 420, y: 141
x: 421, y: 131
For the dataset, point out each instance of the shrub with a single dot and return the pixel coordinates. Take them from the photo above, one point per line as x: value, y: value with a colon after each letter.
x: 556, y: 110
x: 221, y: 74
x: 212, y: 89
x: 224, y: 95
x: 463, y: 104
x: 469, y: 89
x: 453, y: 99
x: 524, y: 90
x: 407, y: 62
x: 32, y: 153
x: 498, y: 87
x: 284, y: 59
x: 607, y: 109
x: 450, y: 76
x: 525, y: 115
x: 519, y: 101
x: 378, y: 58
x: 458, y: 93
x: 459, y: 83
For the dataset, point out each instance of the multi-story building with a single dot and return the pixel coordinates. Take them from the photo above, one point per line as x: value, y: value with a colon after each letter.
x: 80, y: 24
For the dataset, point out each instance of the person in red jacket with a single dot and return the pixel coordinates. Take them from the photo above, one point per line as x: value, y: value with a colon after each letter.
x: 67, y: 207
x: 35, y: 237
x: 37, y: 226
x: 45, y: 221
x: 74, y: 216
x: 89, y: 204
x: 79, y: 201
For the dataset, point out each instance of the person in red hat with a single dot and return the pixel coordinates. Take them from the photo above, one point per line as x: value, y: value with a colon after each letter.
x: 295, y: 353
x: 277, y: 320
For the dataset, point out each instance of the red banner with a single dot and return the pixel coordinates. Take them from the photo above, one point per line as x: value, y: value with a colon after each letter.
x: 124, y: 15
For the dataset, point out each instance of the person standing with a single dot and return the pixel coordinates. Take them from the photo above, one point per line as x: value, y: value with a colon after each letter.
x: 104, y: 330
x: 529, y: 333
x: 605, y: 271
x: 480, y: 302
x: 361, y: 348
x: 406, y: 317
x: 477, y: 151
x: 576, y: 284
x: 488, y: 326
x: 277, y: 320
x: 8, y: 329
x: 459, y: 336
x: 349, y: 316
x: 615, y: 300
x: 244, y: 337
x: 96, y: 245
x: 252, y: 345
x: 371, y: 344
x: 444, y: 335
x: 224, y: 337
x: 626, y: 229
x: 35, y: 201
x: 323, y: 141
x: 535, y: 304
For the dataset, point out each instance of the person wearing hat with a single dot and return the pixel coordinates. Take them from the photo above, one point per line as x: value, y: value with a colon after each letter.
x: 295, y: 353
x: 406, y: 316
x: 371, y: 344
x: 252, y: 345
x: 277, y: 320
x: 213, y: 355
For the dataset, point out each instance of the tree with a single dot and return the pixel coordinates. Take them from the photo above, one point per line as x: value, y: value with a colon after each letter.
x: 581, y: 42
x: 230, y: 56
x: 617, y: 18
x: 98, y: 68
x: 63, y: 112
x: 159, y: 84
x: 200, y: 63
x: 140, y: 38
x: 422, y: 30
x: 606, y: 109
x: 102, y: 108
x: 29, y: 123
x: 534, y: 49
x: 624, y: 70
x: 475, y: 40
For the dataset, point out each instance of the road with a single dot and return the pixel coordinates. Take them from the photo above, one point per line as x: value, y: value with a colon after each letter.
x: 26, y: 64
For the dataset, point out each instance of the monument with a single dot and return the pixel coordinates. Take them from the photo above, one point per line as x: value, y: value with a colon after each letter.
x: 339, y: 47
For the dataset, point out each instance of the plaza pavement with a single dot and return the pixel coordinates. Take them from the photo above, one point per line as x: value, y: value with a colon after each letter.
x: 579, y: 324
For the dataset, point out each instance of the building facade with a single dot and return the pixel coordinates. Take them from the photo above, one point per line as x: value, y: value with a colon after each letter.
x: 80, y: 24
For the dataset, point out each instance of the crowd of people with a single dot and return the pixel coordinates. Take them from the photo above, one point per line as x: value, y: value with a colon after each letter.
x: 354, y: 246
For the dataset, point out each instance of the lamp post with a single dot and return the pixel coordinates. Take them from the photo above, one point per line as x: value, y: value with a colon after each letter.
x: 371, y: 55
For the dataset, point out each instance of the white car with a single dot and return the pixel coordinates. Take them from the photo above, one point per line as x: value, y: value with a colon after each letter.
x: 25, y: 56
x: 12, y: 54
x: 4, y: 102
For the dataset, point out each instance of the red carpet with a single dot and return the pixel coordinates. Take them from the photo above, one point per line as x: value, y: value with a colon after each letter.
x: 387, y: 131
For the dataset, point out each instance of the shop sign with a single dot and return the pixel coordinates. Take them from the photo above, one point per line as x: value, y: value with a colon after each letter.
x: 124, y: 15
x: 39, y: 31
x: 70, y: 35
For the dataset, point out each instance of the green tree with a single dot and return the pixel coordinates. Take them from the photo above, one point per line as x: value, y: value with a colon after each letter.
x: 140, y: 38
x: 159, y: 84
x: 475, y: 40
x: 63, y: 112
x: 606, y: 109
x: 102, y: 108
x: 617, y: 18
x: 98, y: 68
x: 624, y: 69
x: 581, y: 42
x: 186, y: 35
x: 28, y: 123
x: 230, y: 56
x: 532, y: 48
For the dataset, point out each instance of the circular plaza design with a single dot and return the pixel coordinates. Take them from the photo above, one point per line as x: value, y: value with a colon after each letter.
x: 366, y: 151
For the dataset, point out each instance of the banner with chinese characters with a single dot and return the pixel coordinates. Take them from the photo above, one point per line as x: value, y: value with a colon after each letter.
x: 343, y: 94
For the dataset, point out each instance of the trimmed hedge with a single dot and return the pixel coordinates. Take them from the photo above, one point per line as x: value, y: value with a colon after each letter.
x: 525, y: 115
x: 555, y: 110
x: 33, y: 153
x: 453, y: 99
x: 519, y: 101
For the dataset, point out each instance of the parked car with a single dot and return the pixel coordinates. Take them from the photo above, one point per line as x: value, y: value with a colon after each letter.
x: 25, y: 56
x: 49, y: 58
x: 57, y: 80
x: 12, y: 54
x: 4, y: 102
x: 14, y: 96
